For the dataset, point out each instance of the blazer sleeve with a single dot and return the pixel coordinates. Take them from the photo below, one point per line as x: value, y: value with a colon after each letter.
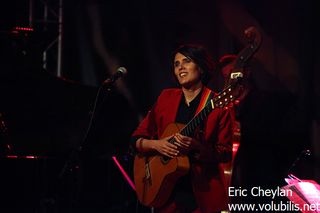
x: 146, y: 129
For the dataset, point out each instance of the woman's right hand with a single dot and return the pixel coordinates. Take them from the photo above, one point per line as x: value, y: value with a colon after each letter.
x: 165, y: 148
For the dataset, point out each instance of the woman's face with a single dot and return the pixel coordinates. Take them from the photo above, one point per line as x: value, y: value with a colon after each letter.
x: 186, y: 71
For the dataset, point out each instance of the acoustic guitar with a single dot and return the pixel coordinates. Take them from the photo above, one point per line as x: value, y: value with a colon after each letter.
x: 156, y: 175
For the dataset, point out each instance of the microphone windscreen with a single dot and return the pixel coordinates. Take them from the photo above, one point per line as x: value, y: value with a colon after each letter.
x: 123, y: 70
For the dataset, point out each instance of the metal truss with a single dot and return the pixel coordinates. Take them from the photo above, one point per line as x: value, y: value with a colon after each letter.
x: 47, y: 16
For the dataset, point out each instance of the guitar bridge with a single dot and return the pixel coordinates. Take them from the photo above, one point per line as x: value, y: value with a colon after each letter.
x: 147, y: 177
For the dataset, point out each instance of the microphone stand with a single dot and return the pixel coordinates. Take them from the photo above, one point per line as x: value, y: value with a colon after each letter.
x: 73, y: 161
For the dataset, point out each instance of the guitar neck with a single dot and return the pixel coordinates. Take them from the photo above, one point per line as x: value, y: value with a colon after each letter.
x: 220, y: 100
x: 189, y: 129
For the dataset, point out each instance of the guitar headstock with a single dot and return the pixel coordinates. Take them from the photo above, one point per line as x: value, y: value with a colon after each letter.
x: 228, y: 95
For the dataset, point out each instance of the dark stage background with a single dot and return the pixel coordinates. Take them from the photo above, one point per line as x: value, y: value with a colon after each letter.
x: 46, y: 113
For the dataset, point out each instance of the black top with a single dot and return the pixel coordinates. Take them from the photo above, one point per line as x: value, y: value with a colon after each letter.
x: 186, y: 113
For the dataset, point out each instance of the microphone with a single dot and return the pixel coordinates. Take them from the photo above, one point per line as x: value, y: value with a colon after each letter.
x: 121, y: 71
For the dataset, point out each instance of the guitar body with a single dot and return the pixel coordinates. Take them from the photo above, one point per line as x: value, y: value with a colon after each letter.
x: 155, y: 176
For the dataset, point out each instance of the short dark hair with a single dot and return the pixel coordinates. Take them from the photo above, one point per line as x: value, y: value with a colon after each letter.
x: 200, y: 56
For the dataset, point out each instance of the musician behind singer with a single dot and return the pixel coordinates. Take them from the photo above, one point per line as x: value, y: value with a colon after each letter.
x: 202, y: 188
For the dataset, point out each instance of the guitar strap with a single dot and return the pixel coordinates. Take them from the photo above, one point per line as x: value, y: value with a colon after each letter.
x: 205, y: 99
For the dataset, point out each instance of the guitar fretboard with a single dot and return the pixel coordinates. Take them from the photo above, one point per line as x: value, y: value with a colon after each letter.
x: 189, y: 129
x: 220, y: 100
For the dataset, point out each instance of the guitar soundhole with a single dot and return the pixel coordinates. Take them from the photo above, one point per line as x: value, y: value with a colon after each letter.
x: 165, y: 159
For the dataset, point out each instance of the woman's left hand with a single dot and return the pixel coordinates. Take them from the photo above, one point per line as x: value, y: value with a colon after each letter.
x: 185, y: 143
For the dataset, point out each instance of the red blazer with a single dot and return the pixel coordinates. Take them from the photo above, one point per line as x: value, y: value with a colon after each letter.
x: 206, y: 175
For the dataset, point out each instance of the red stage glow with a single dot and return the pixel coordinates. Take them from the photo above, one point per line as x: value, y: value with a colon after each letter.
x: 22, y: 157
x: 235, y: 147
x: 126, y: 176
x: 11, y: 156
x: 17, y: 28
